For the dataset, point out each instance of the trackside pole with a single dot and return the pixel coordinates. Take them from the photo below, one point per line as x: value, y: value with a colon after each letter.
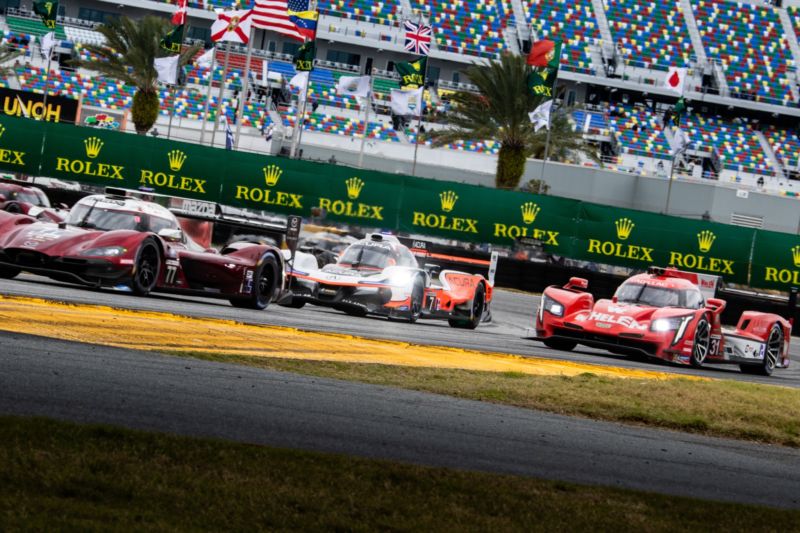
x: 245, y: 84
x: 368, y: 104
x: 208, y: 95
x: 419, y: 121
x: 221, y: 92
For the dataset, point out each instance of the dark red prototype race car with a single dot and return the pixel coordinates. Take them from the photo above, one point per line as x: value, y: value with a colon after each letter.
x: 122, y: 242
x: 15, y: 198
x: 662, y: 314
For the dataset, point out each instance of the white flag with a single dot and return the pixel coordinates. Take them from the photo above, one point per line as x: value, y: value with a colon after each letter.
x: 48, y: 43
x: 204, y: 61
x: 679, y: 142
x: 675, y: 80
x: 300, y: 80
x: 167, y: 68
x: 233, y: 26
x: 541, y: 115
x: 407, y: 102
x: 353, y: 86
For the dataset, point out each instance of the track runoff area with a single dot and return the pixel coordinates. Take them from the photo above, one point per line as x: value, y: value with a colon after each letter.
x: 165, y: 323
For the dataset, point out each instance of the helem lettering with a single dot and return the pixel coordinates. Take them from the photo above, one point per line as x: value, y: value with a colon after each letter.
x: 617, y: 249
x: 12, y: 157
x: 170, y: 181
x: 466, y: 225
x: 782, y: 276
x: 268, y: 196
x: 515, y: 232
x: 89, y: 168
x: 700, y: 262
x: 350, y: 209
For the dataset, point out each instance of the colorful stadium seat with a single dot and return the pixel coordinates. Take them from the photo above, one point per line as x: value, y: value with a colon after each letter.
x: 572, y: 21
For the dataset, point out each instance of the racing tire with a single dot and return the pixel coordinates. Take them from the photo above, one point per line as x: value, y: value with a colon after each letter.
x: 702, y: 342
x: 564, y: 345
x: 147, y: 268
x: 265, y: 280
x: 478, y: 307
x: 296, y: 303
x: 415, y: 306
x: 7, y: 272
x: 772, y: 355
x: 13, y: 207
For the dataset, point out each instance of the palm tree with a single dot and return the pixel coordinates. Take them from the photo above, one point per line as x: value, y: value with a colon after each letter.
x: 127, y: 55
x: 499, y: 112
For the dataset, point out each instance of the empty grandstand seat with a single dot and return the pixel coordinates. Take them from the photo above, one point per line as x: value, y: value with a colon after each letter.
x: 573, y: 21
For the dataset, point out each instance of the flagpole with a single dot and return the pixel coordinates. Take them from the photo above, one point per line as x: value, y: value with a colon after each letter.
x: 550, y: 113
x: 419, y: 122
x: 208, y: 94
x: 245, y: 84
x: 47, y: 80
x: 221, y: 92
x: 171, y: 108
x: 177, y: 76
x: 368, y: 103
x: 298, y: 126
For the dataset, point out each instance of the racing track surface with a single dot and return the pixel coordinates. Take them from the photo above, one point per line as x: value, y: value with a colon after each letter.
x: 512, y: 314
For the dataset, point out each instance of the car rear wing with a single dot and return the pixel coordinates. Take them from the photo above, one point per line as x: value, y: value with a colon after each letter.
x: 432, y: 255
x: 707, y: 283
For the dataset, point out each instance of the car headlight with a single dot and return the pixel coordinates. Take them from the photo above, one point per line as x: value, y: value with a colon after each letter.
x: 552, y: 306
x: 105, y: 251
x: 400, y: 279
x: 676, y: 323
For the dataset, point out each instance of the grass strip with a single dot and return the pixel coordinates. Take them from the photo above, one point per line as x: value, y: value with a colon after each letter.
x: 62, y: 476
x: 722, y: 408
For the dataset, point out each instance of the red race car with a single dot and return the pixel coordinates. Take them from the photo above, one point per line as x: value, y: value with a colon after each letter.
x: 662, y: 314
x: 15, y: 198
x: 123, y: 242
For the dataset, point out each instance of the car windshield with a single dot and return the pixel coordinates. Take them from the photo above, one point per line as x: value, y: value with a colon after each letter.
x: 27, y: 196
x: 643, y: 294
x: 105, y: 219
x: 369, y: 255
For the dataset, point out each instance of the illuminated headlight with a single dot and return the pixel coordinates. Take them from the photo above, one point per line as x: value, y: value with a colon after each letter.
x: 400, y: 279
x: 105, y: 251
x: 677, y: 324
x: 552, y: 306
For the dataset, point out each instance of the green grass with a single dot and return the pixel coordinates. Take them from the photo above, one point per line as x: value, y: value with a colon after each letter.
x: 61, y: 476
x: 722, y: 408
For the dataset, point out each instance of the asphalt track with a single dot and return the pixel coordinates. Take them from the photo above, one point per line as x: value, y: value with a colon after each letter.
x: 512, y: 315
x: 142, y: 390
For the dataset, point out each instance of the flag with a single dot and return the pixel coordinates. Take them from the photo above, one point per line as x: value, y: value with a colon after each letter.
x: 48, y: 10
x: 407, y: 102
x: 675, y: 80
x: 171, y: 42
x: 179, y: 17
x: 300, y: 80
x: 542, y: 79
x: 232, y: 26
x: 304, y: 57
x: 678, y: 111
x: 274, y: 15
x: 542, y: 53
x: 229, y: 141
x: 418, y: 38
x: 412, y: 75
x: 679, y: 142
x: 304, y: 18
x: 167, y: 69
x: 48, y: 43
x: 353, y: 86
x: 541, y: 115
x: 205, y: 60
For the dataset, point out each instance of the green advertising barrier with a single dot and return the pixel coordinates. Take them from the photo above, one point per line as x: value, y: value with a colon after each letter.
x: 568, y: 228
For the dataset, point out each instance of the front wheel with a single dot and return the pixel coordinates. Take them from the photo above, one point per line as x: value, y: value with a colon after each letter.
x: 772, y: 354
x: 702, y: 342
x: 478, y: 307
x: 265, y: 280
x: 415, y: 303
x: 146, y: 268
x: 8, y: 272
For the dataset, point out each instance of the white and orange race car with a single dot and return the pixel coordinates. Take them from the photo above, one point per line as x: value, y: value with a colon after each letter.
x: 379, y: 275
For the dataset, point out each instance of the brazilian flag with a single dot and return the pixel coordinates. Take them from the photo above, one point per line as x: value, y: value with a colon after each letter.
x: 412, y: 75
x: 304, y: 57
x: 172, y: 41
x: 48, y: 10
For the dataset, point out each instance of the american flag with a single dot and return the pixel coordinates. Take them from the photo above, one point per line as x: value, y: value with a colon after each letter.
x: 274, y: 15
x: 418, y: 38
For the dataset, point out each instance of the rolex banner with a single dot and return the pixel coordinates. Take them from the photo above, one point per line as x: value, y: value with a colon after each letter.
x: 412, y: 75
x: 304, y: 57
x: 565, y: 227
x: 171, y: 42
x: 542, y: 79
x: 48, y: 10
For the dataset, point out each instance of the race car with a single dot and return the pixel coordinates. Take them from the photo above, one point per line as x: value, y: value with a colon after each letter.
x: 662, y: 314
x: 15, y: 198
x: 117, y: 241
x: 379, y: 275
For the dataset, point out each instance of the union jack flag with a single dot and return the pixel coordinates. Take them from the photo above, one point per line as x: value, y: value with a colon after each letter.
x: 418, y: 38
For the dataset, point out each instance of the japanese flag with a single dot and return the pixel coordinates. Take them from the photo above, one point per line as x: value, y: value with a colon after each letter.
x: 675, y: 80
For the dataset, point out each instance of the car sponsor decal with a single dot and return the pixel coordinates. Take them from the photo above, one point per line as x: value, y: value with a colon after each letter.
x: 624, y: 321
x: 248, y: 281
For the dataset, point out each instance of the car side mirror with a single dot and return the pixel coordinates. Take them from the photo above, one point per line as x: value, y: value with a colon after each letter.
x: 171, y: 235
x: 614, y: 299
x: 715, y: 304
x: 577, y: 283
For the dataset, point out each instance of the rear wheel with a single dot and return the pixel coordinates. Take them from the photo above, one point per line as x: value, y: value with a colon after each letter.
x: 772, y: 354
x: 265, y: 280
x: 478, y: 307
x: 702, y: 342
x: 560, y: 344
x: 146, y: 268
x: 8, y: 272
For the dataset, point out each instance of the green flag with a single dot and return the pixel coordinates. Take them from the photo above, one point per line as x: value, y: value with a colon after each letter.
x: 172, y: 41
x: 412, y: 75
x: 542, y: 79
x: 48, y: 10
x: 304, y: 57
x: 678, y: 111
